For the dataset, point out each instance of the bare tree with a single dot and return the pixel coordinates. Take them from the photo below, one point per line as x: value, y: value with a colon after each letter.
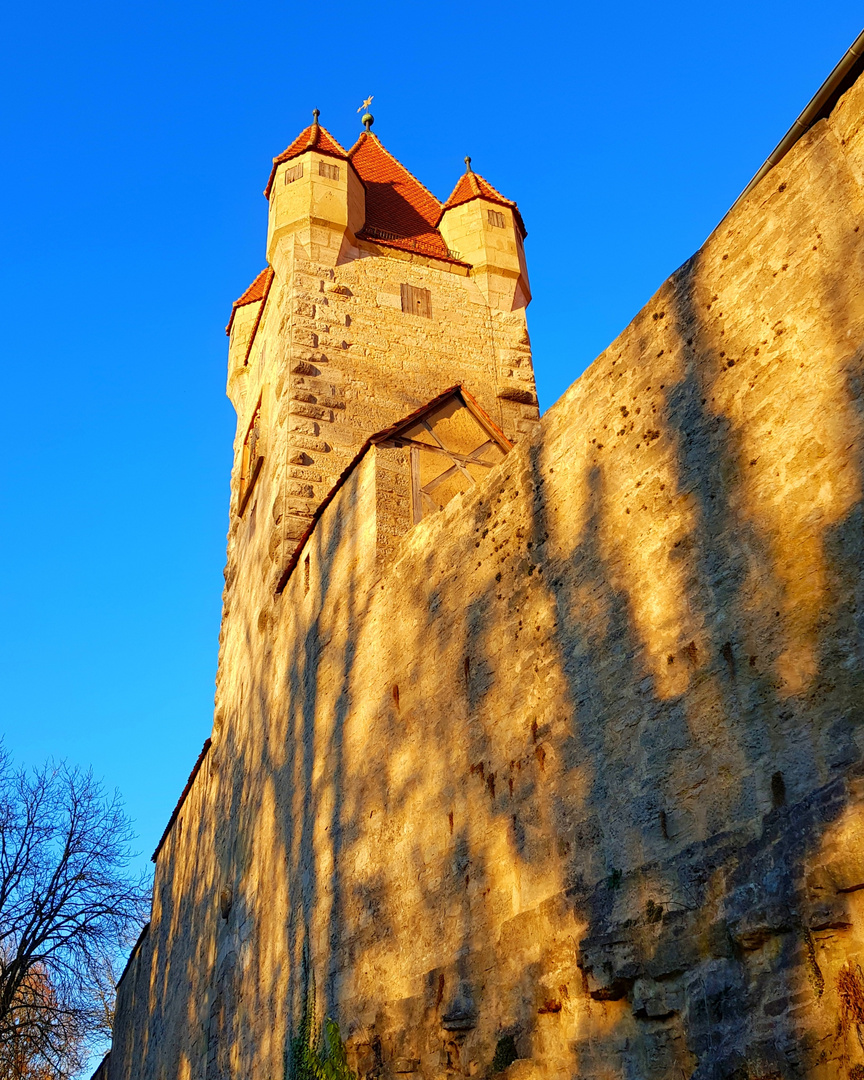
x: 68, y: 905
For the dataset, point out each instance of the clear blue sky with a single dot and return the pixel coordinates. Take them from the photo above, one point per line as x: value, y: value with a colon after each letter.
x: 137, y: 140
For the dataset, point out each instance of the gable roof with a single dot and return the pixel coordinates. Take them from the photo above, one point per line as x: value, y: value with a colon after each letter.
x: 471, y: 403
x: 472, y: 185
x: 257, y: 291
x: 313, y: 137
x: 400, y: 211
x: 468, y: 400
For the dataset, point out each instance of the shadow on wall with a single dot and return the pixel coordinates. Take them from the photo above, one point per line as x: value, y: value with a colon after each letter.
x: 663, y: 765
x: 721, y: 708
x: 574, y: 787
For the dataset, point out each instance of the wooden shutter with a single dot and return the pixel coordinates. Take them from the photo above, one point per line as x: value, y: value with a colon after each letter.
x: 294, y: 172
x: 416, y: 301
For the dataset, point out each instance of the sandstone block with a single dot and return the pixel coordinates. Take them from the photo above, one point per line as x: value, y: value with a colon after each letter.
x: 846, y: 871
x: 316, y: 412
x: 303, y: 442
x: 523, y: 395
x: 304, y: 367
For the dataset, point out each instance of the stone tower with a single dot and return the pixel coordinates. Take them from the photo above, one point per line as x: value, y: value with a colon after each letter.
x: 564, y: 779
x: 376, y: 298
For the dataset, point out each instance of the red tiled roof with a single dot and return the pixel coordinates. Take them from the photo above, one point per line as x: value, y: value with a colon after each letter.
x: 472, y: 186
x: 256, y: 291
x: 400, y: 211
x: 313, y: 137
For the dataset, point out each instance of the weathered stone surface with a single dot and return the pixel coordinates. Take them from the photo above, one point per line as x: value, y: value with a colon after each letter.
x: 578, y: 764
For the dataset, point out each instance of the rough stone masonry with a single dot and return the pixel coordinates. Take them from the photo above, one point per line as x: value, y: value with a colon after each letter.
x: 565, y: 779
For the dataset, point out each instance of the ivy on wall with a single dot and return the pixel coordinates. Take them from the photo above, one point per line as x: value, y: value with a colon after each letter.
x: 316, y: 1053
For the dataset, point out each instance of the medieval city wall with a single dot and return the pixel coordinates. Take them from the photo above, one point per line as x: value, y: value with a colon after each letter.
x: 576, y: 777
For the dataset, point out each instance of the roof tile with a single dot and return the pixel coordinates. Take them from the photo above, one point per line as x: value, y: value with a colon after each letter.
x: 256, y: 291
x: 400, y: 211
x: 313, y: 137
x: 472, y: 185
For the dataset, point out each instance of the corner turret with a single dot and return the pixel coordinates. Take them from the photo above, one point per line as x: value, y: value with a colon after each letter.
x: 487, y: 229
x: 245, y: 316
x: 315, y: 197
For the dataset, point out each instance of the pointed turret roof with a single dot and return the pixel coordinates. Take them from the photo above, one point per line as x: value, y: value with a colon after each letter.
x: 315, y: 137
x: 400, y: 211
x: 257, y: 291
x: 472, y: 185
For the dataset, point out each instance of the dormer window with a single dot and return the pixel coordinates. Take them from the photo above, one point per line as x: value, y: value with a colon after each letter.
x: 452, y: 444
x: 252, y: 459
x: 328, y: 170
x: 496, y: 218
x: 294, y: 173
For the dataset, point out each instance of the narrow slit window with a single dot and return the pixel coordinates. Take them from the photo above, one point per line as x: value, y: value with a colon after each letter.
x: 496, y: 218
x: 328, y: 170
x: 294, y: 173
x: 416, y: 301
x: 252, y: 460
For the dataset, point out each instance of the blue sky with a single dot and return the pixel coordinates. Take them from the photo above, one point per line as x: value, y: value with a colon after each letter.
x: 137, y: 142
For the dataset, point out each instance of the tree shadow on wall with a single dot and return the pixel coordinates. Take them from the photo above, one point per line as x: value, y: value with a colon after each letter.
x: 714, y: 947
x: 685, y: 802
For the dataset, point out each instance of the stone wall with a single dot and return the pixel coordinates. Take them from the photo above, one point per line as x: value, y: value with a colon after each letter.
x: 572, y: 784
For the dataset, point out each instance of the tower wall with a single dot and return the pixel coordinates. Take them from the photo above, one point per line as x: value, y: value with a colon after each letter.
x: 318, y: 200
x: 576, y: 776
x: 336, y: 359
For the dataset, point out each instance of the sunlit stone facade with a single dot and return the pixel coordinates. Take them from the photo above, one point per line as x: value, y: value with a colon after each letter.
x: 564, y: 779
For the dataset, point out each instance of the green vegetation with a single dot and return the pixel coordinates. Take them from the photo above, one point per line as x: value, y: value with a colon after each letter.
x: 317, y: 1054
x: 505, y: 1053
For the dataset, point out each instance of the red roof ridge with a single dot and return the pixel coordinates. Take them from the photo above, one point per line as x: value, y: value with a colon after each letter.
x: 471, y: 185
x: 392, y: 157
x: 258, y: 318
x: 313, y: 137
x: 256, y: 291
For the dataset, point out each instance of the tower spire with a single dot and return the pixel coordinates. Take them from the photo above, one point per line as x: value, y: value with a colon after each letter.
x: 313, y: 131
x: 367, y: 119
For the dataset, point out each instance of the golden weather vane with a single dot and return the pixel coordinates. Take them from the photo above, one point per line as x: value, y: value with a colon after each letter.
x: 368, y: 119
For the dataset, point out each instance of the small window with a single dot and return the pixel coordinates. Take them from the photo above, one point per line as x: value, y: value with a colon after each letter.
x: 294, y: 173
x: 328, y: 170
x: 417, y: 301
x: 496, y: 218
x: 252, y: 459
